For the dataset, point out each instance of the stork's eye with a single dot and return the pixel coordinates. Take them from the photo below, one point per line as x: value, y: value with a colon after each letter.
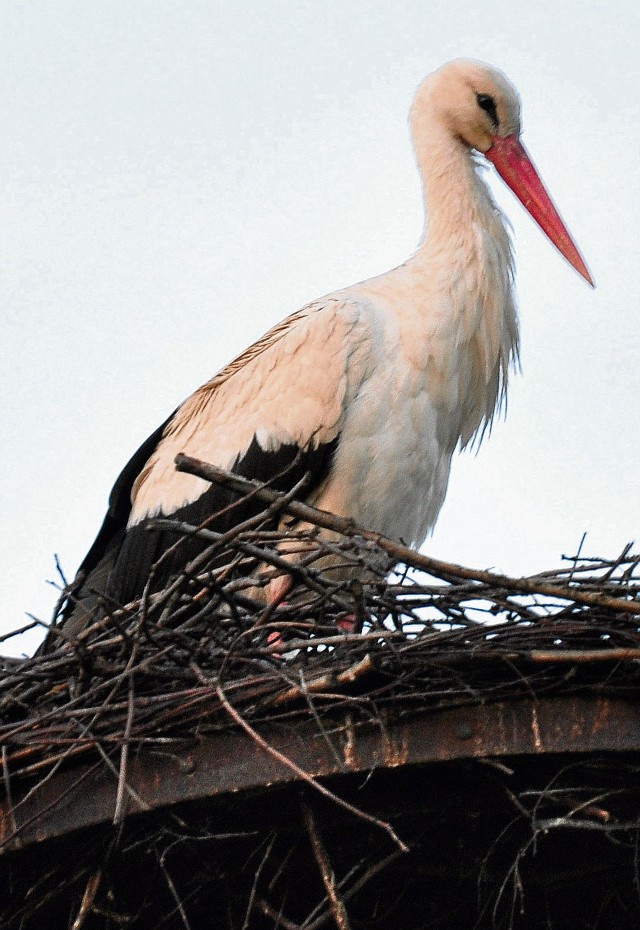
x: 488, y: 104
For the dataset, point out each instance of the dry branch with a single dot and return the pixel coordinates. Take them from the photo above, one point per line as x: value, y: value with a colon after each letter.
x: 437, y: 567
x: 452, y: 635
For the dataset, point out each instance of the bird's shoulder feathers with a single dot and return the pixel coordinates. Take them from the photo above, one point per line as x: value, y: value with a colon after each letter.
x: 289, y: 389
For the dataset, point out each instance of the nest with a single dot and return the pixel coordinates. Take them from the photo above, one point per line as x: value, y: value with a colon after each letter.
x: 204, y: 659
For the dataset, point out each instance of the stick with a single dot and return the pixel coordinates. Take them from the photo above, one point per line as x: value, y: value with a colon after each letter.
x: 322, y: 682
x: 354, y: 889
x: 304, y: 776
x: 583, y: 655
x: 89, y: 896
x: 346, y: 527
x: 118, y: 815
x: 7, y: 789
x: 280, y: 919
x: 336, y: 903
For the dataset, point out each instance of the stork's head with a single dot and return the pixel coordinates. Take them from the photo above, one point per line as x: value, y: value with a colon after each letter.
x: 475, y: 104
x: 473, y: 101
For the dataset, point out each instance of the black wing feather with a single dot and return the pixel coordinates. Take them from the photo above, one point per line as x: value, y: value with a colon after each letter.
x: 142, y: 547
x: 117, y: 566
x: 119, y: 508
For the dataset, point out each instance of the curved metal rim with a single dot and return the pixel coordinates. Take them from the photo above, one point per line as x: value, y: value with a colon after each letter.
x: 231, y: 762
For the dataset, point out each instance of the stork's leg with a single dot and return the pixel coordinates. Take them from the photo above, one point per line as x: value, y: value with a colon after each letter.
x: 278, y: 591
x: 348, y: 624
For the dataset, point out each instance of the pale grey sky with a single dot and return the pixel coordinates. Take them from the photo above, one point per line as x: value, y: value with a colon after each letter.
x: 177, y: 176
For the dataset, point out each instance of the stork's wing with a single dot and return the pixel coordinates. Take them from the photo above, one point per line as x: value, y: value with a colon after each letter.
x: 119, y: 507
x: 290, y: 389
x: 274, y: 413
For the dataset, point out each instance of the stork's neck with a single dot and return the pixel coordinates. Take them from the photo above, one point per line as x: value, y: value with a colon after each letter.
x: 458, y: 203
x: 465, y: 262
x: 452, y: 302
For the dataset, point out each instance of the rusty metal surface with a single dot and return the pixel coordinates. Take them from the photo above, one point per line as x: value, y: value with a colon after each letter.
x: 232, y: 762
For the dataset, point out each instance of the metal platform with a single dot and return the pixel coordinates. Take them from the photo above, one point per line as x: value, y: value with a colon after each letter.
x: 230, y: 762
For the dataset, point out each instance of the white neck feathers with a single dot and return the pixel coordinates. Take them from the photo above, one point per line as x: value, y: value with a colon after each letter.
x: 467, y: 259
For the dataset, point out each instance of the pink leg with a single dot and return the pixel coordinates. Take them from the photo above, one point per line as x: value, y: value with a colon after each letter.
x: 278, y: 591
x: 347, y: 624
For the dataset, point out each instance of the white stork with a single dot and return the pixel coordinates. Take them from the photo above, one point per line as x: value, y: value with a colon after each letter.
x: 371, y: 388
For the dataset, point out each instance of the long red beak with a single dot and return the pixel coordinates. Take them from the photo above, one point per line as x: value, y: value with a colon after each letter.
x: 517, y: 170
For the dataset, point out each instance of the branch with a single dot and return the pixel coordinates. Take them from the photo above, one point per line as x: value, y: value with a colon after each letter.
x: 338, y: 910
x: 303, y: 775
x: 346, y: 527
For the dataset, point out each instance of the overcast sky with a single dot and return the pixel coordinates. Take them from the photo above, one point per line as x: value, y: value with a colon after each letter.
x: 177, y: 176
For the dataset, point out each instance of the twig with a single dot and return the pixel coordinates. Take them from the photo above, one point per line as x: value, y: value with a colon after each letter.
x: 355, y: 888
x: 322, y: 682
x: 254, y: 887
x: 304, y: 776
x: 119, y: 812
x: 583, y: 655
x: 336, y: 903
x: 321, y: 728
x: 174, y: 892
x: 281, y: 921
x: 89, y: 896
x: 397, y: 551
x: 262, y: 554
x: 7, y: 789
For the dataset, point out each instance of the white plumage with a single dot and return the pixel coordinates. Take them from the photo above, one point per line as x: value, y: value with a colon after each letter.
x: 376, y: 384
